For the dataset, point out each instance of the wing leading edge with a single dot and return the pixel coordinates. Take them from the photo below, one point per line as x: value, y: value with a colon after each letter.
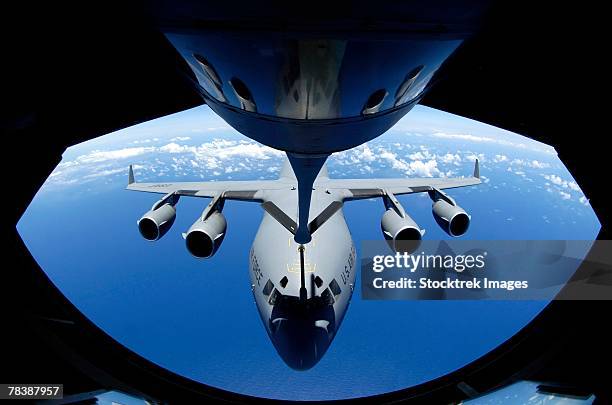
x: 229, y: 190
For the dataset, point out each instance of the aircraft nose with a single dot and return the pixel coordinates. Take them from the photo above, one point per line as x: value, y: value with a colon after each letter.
x: 302, y: 331
x: 300, y: 343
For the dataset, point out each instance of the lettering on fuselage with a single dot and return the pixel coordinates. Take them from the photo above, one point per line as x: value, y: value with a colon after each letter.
x: 255, y: 267
x: 348, y: 267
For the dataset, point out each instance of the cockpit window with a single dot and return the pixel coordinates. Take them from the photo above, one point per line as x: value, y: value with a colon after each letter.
x: 335, y: 287
x: 268, y: 287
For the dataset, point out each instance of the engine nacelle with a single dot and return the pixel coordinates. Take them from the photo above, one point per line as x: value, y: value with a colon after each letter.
x: 452, y: 218
x: 403, y: 234
x: 204, y: 238
x: 155, y: 223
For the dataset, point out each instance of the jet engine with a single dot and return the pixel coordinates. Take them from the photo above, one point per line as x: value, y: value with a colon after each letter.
x: 403, y: 234
x: 452, y: 218
x: 155, y: 223
x: 204, y: 237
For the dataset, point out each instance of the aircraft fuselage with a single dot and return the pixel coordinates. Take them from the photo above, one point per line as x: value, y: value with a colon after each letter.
x: 302, y: 330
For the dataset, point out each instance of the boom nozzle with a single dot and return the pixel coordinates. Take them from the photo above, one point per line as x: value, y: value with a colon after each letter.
x: 303, y: 292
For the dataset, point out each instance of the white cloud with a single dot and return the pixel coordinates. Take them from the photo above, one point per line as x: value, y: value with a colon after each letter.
x: 450, y: 158
x: 424, y: 169
x: 176, y: 148
x: 500, y: 158
x: 211, y: 156
x: 422, y: 163
x: 180, y: 138
x: 473, y: 156
x: 539, y: 165
x: 68, y: 163
x: 535, y: 164
x: 424, y: 154
x: 105, y: 173
x: 103, y: 156
x: 391, y: 158
x: 365, y: 154
x: 554, y: 179
x: 564, y: 195
x: 558, y: 181
x: 417, y: 156
x: 474, y: 138
x: 418, y: 166
x: 250, y: 150
x: 360, y: 154
x: 464, y: 137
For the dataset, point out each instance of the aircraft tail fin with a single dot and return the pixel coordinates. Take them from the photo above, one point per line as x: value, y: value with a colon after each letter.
x: 476, y: 169
x: 130, y: 176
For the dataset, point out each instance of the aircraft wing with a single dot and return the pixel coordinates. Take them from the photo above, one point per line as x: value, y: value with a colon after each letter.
x: 356, y: 189
x: 229, y: 190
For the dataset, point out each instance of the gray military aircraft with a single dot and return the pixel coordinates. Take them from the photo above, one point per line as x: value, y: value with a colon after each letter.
x: 302, y: 291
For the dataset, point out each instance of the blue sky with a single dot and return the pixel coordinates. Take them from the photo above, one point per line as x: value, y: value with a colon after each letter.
x: 198, y: 318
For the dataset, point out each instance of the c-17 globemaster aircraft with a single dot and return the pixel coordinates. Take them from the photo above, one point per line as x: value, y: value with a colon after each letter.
x: 302, y: 291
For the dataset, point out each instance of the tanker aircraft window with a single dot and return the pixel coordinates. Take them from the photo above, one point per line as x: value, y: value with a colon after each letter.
x: 402, y: 90
x: 243, y: 94
x: 126, y: 284
x: 208, y: 69
x: 375, y: 102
